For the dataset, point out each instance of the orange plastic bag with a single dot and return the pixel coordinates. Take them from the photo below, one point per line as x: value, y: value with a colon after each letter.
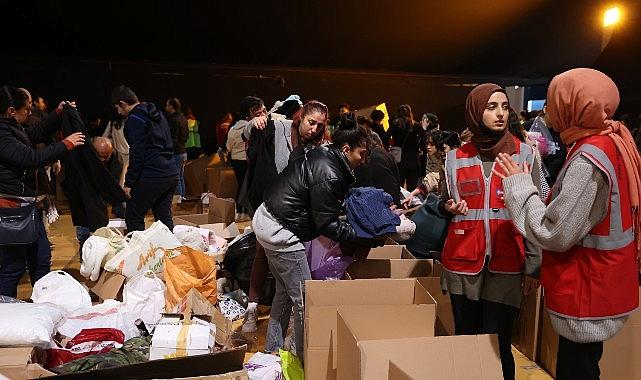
x: 192, y: 269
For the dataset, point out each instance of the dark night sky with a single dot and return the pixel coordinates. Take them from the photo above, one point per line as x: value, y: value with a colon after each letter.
x: 527, y: 38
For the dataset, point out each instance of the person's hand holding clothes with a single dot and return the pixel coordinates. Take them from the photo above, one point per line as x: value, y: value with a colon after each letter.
x: 74, y: 140
x: 62, y: 104
x: 456, y: 208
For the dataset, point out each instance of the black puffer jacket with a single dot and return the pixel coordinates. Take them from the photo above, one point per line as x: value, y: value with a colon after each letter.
x: 18, y: 156
x: 308, y: 196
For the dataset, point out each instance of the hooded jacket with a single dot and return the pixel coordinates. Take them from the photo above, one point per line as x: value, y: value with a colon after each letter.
x: 179, y: 131
x: 18, y: 157
x: 308, y: 196
x: 151, y: 152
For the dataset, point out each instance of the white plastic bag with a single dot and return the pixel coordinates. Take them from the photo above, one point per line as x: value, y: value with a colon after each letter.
x: 145, y: 251
x: 109, y: 314
x: 202, y: 239
x: 264, y: 367
x: 59, y: 288
x: 29, y: 324
x: 101, y: 247
x: 144, y: 298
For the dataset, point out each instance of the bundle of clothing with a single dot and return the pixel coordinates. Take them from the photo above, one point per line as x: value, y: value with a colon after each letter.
x: 370, y: 215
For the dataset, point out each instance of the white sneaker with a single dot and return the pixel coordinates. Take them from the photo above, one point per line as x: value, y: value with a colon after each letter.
x: 251, y: 318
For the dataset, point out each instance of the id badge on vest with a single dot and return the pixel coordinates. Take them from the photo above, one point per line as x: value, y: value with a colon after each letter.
x: 469, y: 187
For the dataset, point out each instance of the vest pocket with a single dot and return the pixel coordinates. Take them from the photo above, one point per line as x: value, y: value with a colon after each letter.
x: 465, y: 243
x: 508, y: 250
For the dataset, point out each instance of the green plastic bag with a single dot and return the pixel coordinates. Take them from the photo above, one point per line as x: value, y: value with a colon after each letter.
x: 291, y: 365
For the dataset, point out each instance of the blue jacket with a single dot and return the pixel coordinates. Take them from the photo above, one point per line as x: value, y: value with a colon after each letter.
x: 368, y: 212
x: 151, y: 152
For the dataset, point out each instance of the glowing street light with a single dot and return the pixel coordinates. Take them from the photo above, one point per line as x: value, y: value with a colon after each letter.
x: 611, y: 17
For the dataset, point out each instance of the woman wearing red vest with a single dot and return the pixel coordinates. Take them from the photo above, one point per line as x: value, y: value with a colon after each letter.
x: 589, y: 228
x: 484, y: 255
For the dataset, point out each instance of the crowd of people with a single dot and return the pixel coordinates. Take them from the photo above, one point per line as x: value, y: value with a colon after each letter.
x: 552, y: 197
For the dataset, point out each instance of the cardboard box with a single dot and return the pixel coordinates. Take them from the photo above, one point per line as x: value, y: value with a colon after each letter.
x: 390, y: 268
x: 439, y: 358
x: 322, y: 300
x: 223, y: 230
x: 444, y: 316
x: 526, y: 334
x: 620, y: 354
x: 221, y: 181
x: 357, y: 324
x: 177, y: 337
x: 22, y: 363
x: 236, y: 375
x: 193, y: 220
x: 196, y: 176
x: 394, y: 251
x: 222, y: 210
x: 194, y: 302
x: 108, y: 286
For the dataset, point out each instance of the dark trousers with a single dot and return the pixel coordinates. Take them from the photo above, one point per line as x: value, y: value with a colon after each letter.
x: 486, y: 317
x: 150, y: 193
x: 14, y: 260
x: 578, y: 360
x: 240, y: 170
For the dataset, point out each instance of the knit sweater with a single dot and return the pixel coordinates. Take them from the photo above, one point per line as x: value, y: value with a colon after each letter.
x: 235, y: 143
x: 557, y: 227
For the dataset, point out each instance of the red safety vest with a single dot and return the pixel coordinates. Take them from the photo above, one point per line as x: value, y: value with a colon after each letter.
x: 598, y: 277
x: 487, y: 229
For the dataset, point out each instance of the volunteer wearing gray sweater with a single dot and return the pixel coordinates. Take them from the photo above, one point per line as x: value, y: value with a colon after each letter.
x: 587, y: 230
x: 484, y: 258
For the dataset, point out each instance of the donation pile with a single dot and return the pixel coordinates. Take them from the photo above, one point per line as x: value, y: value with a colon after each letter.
x: 168, y: 305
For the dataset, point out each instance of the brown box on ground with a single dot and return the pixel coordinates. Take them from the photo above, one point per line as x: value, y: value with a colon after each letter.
x: 196, y: 176
x: 526, y: 334
x: 193, y: 220
x: 222, y: 210
x: 440, y: 358
x: 393, y: 251
x: 620, y: 354
x: 444, y: 317
x: 221, y: 181
x: 223, y: 230
x: 322, y: 300
x: 108, y: 286
x: 357, y: 324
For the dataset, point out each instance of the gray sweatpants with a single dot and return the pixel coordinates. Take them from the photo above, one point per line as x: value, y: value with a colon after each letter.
x: 290, y: 270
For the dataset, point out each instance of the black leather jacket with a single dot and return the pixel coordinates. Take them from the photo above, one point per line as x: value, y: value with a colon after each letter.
x: 308, y: 196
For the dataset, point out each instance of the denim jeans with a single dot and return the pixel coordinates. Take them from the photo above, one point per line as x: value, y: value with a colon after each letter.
x: 14, y: 260
x: 290, y: 270
x: 180, y: 159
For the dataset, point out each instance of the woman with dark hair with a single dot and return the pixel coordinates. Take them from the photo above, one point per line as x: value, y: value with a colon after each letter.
x: 434, y: 166
x: 487, y: 266
x: 405, y: 139
x: 19, y: 161
x: 289, y: 131
x: 303, y: 204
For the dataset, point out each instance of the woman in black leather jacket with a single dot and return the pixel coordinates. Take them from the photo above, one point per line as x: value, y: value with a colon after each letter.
x: 304, y: 203
x: 18, y: 161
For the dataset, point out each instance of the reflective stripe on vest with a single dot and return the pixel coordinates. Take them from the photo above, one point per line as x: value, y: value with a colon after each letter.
x: 479, y: 214
x: 618, y: 238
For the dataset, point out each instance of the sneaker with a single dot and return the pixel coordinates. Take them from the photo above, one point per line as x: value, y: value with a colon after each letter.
x: 251, y: 318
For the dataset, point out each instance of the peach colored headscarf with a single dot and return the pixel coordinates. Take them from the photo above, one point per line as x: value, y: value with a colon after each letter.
x: 581, y: 103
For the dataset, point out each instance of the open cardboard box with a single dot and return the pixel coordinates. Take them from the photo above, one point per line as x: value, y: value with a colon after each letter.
x: 109, y: 285
x: 357, y: 324
x: 322, y: 301
x: 195, y: 303
x: 393, y: 251
x: 390, y: 268
x: 222, y: 182
x: 22, y: 363
x: 461, y: 357
x: 193, y: 220
x: 223, y: 230
x: 620, y: 354
x: 526, y: 334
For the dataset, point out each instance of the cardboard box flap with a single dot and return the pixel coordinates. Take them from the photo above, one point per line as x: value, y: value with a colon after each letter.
x: 444, y: 358
x: 444, y: 316
x: 393, y: 251
x: 223, y: 230
x: 193, y: 220
x: 108, y: 286
x: 390, y: 268
x: 200, y: 365
x: 359, y: 292
x: 15, y: 356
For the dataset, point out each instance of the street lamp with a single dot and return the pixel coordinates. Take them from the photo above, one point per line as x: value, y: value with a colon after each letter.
x: 611, y: 17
